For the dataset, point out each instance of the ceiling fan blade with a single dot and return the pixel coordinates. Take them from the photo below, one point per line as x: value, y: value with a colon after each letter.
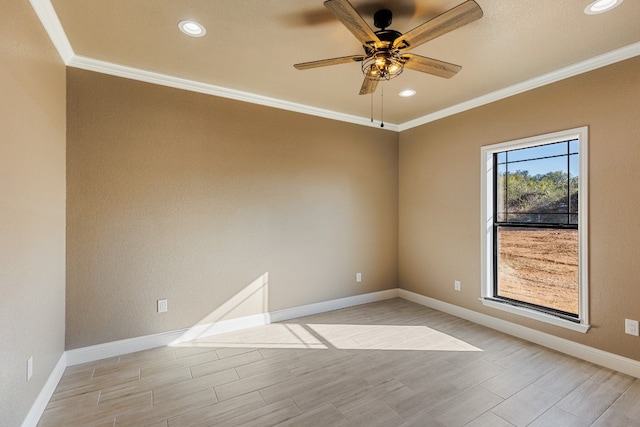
x: 430, y: 66
x: 460, y: 15
x: 368, y: 86
x: 331, y: 61
x: 350, y: 18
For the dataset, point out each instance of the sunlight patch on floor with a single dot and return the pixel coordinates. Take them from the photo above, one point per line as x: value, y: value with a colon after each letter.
x: 275, y: 335
x: 339, y: 336
x: 389, y: 337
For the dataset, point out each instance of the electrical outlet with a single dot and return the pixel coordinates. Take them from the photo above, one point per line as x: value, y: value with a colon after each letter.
x: 162, y: 306
x: 456, y: 285
x: 358, y: 277
x: 631, y: 327
x: 29, y: 368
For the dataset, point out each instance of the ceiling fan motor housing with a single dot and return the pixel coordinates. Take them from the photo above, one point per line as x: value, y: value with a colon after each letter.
x: 382, y: 19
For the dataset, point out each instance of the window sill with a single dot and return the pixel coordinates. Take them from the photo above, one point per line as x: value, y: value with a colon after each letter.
x: 536, y: 315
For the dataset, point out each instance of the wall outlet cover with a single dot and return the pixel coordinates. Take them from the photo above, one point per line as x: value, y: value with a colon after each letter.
x: 631, y: 327
x: 29, y: 368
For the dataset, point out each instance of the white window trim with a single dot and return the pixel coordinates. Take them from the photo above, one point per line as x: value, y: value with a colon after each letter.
x: 487, y: 228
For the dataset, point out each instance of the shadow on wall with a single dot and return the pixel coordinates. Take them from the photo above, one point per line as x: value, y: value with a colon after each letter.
x: 221, y: 328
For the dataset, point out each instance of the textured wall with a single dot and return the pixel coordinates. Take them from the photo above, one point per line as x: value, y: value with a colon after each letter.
x: 32, y: 208
x: 440, y: 196
x: 202, y: 200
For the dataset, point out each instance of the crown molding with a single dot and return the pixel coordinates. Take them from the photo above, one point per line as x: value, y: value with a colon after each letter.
x: 53, y: 27
x: 45, y: 11
x: 118, y: 70
x: 591, y: 64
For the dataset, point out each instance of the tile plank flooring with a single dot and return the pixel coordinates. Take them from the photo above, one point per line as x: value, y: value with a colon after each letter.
x: 390, y: 363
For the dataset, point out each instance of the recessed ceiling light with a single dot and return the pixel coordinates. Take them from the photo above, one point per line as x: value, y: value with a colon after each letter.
x: 407, y: 93
x: 600, y: 6
x: 192, y: 28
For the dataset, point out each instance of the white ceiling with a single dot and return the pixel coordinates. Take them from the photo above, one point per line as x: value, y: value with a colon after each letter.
x: 251, y: 45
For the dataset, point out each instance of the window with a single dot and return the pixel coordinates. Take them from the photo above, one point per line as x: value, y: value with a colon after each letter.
x: 534, y: 228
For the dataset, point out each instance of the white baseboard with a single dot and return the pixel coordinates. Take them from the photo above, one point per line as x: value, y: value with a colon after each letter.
x: 40, y: 404
x: 117, y: 348
x: 221, y: 327
x: 120, y: 347
x: 336, y: 304
x: 146, y: 342
x: 581, y: 351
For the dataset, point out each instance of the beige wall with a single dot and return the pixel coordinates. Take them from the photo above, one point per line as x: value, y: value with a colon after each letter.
x: 194, y: 198
x: 32, y: 208
x: 440, y: 196
x: 206, y: 202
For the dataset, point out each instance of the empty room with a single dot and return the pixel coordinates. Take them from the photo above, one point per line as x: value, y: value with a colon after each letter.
x: 319, y: 213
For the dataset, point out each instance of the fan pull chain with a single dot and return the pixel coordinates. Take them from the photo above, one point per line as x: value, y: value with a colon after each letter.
x: 371, y: 107
x: 382, y: 105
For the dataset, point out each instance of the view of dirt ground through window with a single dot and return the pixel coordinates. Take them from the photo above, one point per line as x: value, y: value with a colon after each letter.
x: 539, y: 266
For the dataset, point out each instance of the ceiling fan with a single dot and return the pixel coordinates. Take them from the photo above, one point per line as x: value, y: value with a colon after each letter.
x: 386, y: 50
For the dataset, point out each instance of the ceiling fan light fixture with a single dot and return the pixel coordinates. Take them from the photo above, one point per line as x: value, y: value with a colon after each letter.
x: 601, y: 6
x: 382, y: 65
x: 192, y: 28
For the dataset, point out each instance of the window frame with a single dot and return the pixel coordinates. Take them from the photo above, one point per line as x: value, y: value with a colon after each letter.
x: 488, y: 298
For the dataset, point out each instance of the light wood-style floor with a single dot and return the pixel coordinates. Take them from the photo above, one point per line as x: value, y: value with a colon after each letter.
x: 391, y: 363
